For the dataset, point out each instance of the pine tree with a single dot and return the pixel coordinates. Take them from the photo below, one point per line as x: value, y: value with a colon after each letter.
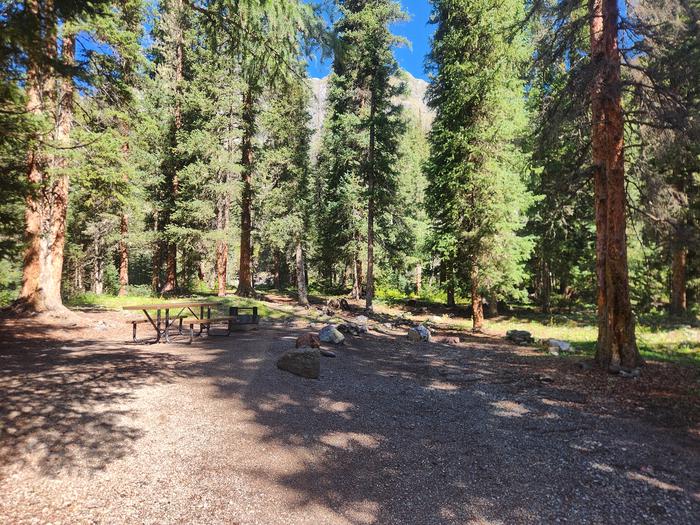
x: 43, y: 45
x: 285, y: 193
x: 359, y: 158
x: 476, y: 196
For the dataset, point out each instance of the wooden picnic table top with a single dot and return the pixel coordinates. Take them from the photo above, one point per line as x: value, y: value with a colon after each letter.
x: 169, y: 306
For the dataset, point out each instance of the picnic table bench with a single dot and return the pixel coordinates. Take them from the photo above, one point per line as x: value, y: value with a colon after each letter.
x: 163, y: 322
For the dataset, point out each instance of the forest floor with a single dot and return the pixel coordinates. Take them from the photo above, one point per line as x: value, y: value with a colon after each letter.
x: 94, y: 429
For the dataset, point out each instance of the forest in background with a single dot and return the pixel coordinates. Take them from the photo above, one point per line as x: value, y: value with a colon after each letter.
x: 166, y: 147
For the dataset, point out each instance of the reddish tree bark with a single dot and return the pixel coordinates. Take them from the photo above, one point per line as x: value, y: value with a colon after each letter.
x: 123, y: 255
x: 678, y: 280
x: 245, y: 274
x: 302, y: 289
x: 616, y: 338
x: 47, y: 202
x: 419, y: 278
x: 477, y: 303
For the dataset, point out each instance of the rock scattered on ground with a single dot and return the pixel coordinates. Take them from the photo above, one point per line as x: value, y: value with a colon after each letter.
x: 520, y: 337
x: 352, y: 328
x: 555, y: 346
x: 447, y: 340
x: 304, y: 362
x: 331, y: 334
x: 419, y: 334
x: 308, y: 341
x: 327, y: 353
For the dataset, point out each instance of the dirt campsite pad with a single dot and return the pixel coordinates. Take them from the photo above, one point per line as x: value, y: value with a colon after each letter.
x: 94, y: 430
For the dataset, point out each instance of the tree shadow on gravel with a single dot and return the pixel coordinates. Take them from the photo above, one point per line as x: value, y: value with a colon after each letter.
x: 64, y: 403
x: 405, y: 433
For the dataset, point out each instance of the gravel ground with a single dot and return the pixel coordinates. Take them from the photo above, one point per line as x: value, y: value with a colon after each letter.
x: 392, y: 433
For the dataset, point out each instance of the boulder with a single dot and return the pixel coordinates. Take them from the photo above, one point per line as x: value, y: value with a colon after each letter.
x: 361, y: 320
x: 447, y: 340
x: 558, y: 345
x: 304, y: 362
x: 419, y: 334
x: 330, y: 334
x: 520, y: 337
x: 308, y: 341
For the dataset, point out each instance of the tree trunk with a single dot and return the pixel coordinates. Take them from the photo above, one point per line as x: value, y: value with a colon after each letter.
x: 477, y: 303
x: 221, y: 266
x: 493, y: 306
x: 245, y: 276
x: 222, y: 219
x: 678, y: 280
x: 419, y: 278
x: 98, y: 274
x: 302, y: 290
x: 356, y: 277
x: 447, y: 275
x: 123, y: 255
x: 170, y: 284
x: 47, y: 203
x: 546, y: 286
x: 369, y: 297
x: 616, y: 339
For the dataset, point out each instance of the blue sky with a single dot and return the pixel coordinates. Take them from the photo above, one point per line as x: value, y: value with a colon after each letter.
x: 416, y: 30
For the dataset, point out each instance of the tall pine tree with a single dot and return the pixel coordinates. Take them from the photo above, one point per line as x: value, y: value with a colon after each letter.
x: 476, y: 195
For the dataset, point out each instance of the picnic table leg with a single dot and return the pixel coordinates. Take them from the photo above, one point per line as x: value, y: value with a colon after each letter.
x: 134, y: 332
x: 158, y: 326
x: 167, y: 324
x: 180, y: 327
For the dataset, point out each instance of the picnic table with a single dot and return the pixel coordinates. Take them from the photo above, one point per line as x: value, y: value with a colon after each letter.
x: 164, y: 320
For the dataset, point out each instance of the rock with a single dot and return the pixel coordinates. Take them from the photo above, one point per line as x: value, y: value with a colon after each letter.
x: 304, y: 362
x: 419, y: 334
x: 448, y: 340
x: 330, y: 334
x: 100, y: 326
x: 630, y: 373
x: 585, y: 365
x: 561, y: 346
x: 344, y: 305
x: 347, y: 328
x: 333, y: 303
x: 361, y: 320
x: 327, y: 353
x: 435, y: 319
x: 308, y: 341
x: 520, y: 336
x: 553, y: 350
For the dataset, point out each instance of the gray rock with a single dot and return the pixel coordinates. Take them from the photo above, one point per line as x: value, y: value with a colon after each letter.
x: 330, y: 334
x: 304, y: 362
x: 561, y: 346
x: 630, y: 373
x: 520, y: 336
x: 361, y: 320
x: 419, y: 334
x: 585, y: 365
x: 327, y: 353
